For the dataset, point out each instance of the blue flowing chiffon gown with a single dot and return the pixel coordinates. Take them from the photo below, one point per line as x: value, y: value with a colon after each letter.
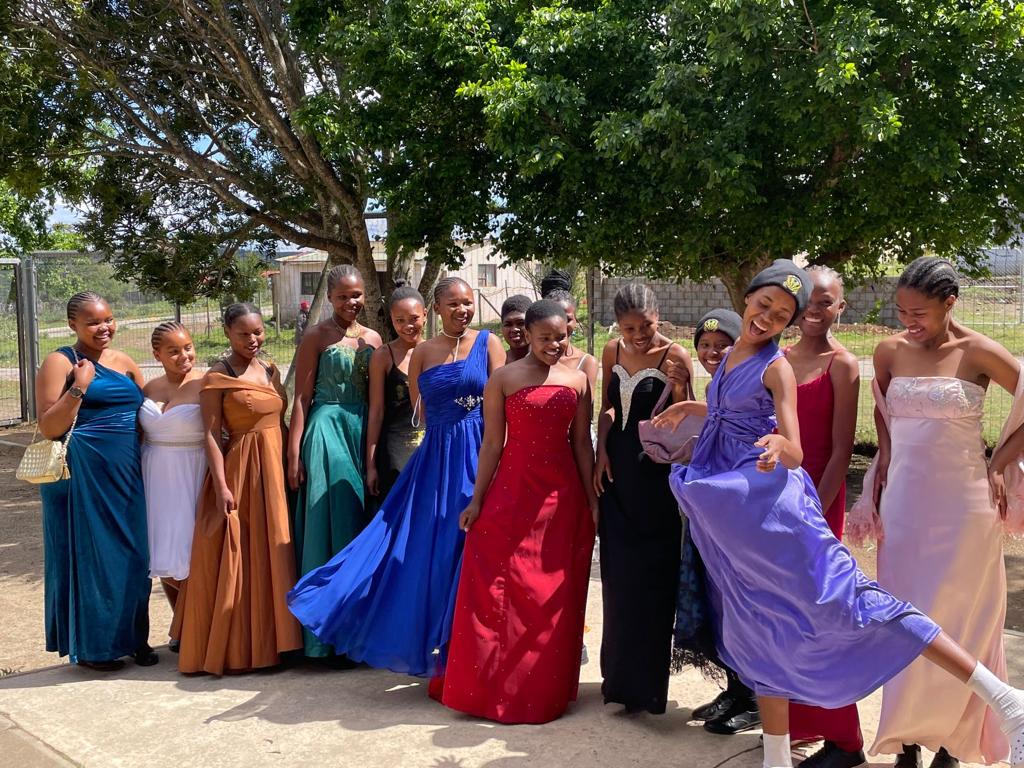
x: 794, y: 616
x: 388, y: 597
x: 96, y: 549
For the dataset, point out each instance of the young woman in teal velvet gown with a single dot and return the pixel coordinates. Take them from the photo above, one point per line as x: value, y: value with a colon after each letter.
x: 328, y: 431
x: 96, y: 552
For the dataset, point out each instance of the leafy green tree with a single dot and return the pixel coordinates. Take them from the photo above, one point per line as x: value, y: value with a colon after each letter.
x: 704, y: 138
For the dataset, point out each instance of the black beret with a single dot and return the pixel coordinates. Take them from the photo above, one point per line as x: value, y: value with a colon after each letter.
x: 722, y: 320
x: 786, y: 275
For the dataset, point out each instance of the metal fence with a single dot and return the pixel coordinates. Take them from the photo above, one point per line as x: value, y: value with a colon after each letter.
x: 12, y: 405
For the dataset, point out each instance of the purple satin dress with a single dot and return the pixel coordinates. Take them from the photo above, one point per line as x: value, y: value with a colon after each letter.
x: 794, y: 616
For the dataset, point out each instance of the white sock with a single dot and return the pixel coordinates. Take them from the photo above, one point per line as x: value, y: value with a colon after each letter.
x: 777, y: 752
x: 1007, y: 702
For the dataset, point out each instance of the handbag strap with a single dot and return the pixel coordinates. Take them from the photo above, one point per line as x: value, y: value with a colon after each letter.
x: 74, y: 421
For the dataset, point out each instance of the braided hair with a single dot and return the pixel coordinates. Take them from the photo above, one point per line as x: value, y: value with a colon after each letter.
x: 342, y: 272
x: 402, y: 292
x: 169, y: 326
x: 240, y: 309
x: 555, y: 280
x: 635, y: 297
x: 929, y: 275
x: 79, y: 300
x: 445, y: 283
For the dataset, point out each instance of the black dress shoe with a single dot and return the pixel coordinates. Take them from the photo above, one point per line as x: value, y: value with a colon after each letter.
x: 174, y: 646
x: 943, y: 759
x: 145, y: 656
x: 831, y: 756
x: 910, y: 758
x: 741, y: 717
x: 714, y: 709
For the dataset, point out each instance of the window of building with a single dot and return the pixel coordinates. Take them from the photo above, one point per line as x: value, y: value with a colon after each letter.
x: 309, y: 281
x: 486, y: 275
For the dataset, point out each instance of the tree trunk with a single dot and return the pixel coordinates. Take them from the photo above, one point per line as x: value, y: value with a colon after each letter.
x: 737, y: 279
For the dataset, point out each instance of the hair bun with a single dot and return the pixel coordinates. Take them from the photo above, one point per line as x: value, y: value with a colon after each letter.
x: 556, y: 280
x: 401, y: 282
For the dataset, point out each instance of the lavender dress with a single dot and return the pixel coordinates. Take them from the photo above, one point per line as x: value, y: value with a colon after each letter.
x: 794, y: 616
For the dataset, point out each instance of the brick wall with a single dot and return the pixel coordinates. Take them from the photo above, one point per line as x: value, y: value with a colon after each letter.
x: 686, y: 302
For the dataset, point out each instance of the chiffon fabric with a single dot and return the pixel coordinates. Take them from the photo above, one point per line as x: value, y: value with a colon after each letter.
x: 795, y: 617
x: 517, y: 635
x: 387, y: 598
x: 173, y: 470
x: 96, y: 556
x: 329, y: 510
x: 231, y: 614
x: 943, y: 550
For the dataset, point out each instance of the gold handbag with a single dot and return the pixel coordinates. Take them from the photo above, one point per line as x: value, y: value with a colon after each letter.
x: 46, y: 461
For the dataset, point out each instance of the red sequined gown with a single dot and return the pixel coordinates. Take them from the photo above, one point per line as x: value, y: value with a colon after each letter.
x: 517, y: 634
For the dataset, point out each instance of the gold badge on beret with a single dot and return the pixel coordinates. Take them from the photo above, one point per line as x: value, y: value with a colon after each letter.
x: 711, y: 325
x: 793, y: 284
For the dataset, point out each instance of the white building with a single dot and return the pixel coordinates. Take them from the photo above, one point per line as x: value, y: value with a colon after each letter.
x: 298, y: 274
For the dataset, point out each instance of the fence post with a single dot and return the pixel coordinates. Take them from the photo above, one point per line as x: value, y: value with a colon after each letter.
x: 591, y: 308
x: 28, y: 335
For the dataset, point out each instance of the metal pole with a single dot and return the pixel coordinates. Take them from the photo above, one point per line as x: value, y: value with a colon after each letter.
x: 177, y: 312
x: 591, y: 307
x: 28, y: 332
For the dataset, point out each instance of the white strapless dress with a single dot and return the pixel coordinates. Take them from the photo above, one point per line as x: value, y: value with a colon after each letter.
x: 173, y: 471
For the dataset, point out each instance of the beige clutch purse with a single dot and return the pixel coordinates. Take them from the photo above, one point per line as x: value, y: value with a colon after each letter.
x: 45, y: 461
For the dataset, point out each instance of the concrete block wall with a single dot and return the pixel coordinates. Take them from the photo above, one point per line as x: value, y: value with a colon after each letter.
x: 686, y: 302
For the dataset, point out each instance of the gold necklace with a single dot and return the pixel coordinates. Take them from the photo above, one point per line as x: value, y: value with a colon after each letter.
x: 354, y: 331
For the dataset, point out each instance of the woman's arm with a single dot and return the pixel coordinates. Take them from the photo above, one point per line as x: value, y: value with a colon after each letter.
x: 210, y: 407
x: 582, y: 447
x: 495, y: 353
x: 680, y: 373
x: 605, y: 419
x: 589, y: 367
x: 56, y: 407
x: 1002, y: 368
x: 782, y: 447
x: 306, y: 360
x: 380, y: 362
x: 490, y: 449
x: 882, y: 364
x: 845, y: 376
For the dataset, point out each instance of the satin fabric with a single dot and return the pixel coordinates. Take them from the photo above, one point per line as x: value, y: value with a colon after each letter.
x: 795, y: 616
x: 96, y: 553
x: 387, y: 598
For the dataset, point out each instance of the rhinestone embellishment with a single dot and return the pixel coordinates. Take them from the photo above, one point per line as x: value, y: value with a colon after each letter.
x: 469, y: 402
x: 629, y: 383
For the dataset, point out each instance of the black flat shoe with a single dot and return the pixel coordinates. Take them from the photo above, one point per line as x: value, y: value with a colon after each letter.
x: 831, y: 756
x: 102, y: 666
x: 910, y: 758
x: 145, y: 657
x: 943, y: 759
x: 737, y: 720
x: 714, y: 709
x: 174, y: 646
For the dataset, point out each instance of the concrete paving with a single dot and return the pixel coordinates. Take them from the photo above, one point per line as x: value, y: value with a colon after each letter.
x: 306, y: 716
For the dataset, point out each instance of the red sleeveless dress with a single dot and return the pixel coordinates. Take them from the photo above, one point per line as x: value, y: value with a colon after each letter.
x: 517, y: 633
x: 815, y: 406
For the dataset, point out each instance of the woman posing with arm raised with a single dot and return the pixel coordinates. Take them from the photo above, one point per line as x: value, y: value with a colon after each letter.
x: 94, y: 523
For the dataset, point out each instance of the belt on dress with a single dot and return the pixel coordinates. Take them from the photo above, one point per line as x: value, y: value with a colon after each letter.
x: 175, y: 443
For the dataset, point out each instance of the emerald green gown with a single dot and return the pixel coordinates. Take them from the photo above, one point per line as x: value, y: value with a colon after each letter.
x: 329, y: 507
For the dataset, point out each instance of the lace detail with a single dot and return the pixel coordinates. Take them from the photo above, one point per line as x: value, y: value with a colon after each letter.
x: 629, y: 383
x: 935, y: 397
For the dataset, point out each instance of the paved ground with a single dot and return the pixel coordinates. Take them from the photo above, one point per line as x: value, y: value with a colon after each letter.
x: 60, y: 715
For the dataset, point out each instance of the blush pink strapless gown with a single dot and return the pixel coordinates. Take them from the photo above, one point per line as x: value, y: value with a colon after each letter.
x: 943, y: 552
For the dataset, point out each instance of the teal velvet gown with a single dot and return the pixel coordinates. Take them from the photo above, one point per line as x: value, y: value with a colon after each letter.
x: 329, y: 507
x: 96, y: 550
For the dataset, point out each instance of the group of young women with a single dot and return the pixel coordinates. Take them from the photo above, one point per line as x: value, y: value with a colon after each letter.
x: 432, y: 510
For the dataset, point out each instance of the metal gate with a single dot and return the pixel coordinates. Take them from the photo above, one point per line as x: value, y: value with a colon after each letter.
x: 18, y: 358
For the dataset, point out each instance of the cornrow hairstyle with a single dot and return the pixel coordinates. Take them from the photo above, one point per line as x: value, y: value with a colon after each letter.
x: 240, y: 309
x: 169, y: 326
x: 402, y: 292
x: 517, y: 303
x: 79, y: 300
x: 341, y: 272
x: 555, y: 280
x: 634, y: 297
x: 562, y: 297
x: 934, y: 277
x: 829, y: 273
x: 542, y: 310
x: 444, y: 284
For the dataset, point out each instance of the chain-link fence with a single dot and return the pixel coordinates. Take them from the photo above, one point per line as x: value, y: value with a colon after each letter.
x: 11, y: 404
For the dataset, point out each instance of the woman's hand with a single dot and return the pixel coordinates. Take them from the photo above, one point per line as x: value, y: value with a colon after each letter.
x: 773, y: 447
x: 83, y: 373
x: 225, y: 501
x: 296, y: 472
x: 595, y: 511
x: 678, y: 376
x: 602, y: 468
x: 372, y: 480
x: 997, y: 490
x: 673, y: 416
x: 469, y: 516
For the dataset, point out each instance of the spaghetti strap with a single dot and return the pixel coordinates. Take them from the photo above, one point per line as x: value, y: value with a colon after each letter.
x: 228, y: 368
x: 830, y: 361
x: 394, y: 363
x: 665, y: 356
x: 617, y: 348
x: 583, y: 359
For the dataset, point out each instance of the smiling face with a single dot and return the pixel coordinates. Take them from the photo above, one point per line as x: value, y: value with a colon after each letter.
x: 711, y: 350
x: 347, y: 297
x: 638, y: 329
x: 176, y: 352
x: 513, y: 328
x: 769, y: 310
x: 456, y: 308
x: 546, y: 339
x: 825, y: 305
x: 407, y: 318
x: 246, y: 335
x: 94, y: 325
x: 924, y: 317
